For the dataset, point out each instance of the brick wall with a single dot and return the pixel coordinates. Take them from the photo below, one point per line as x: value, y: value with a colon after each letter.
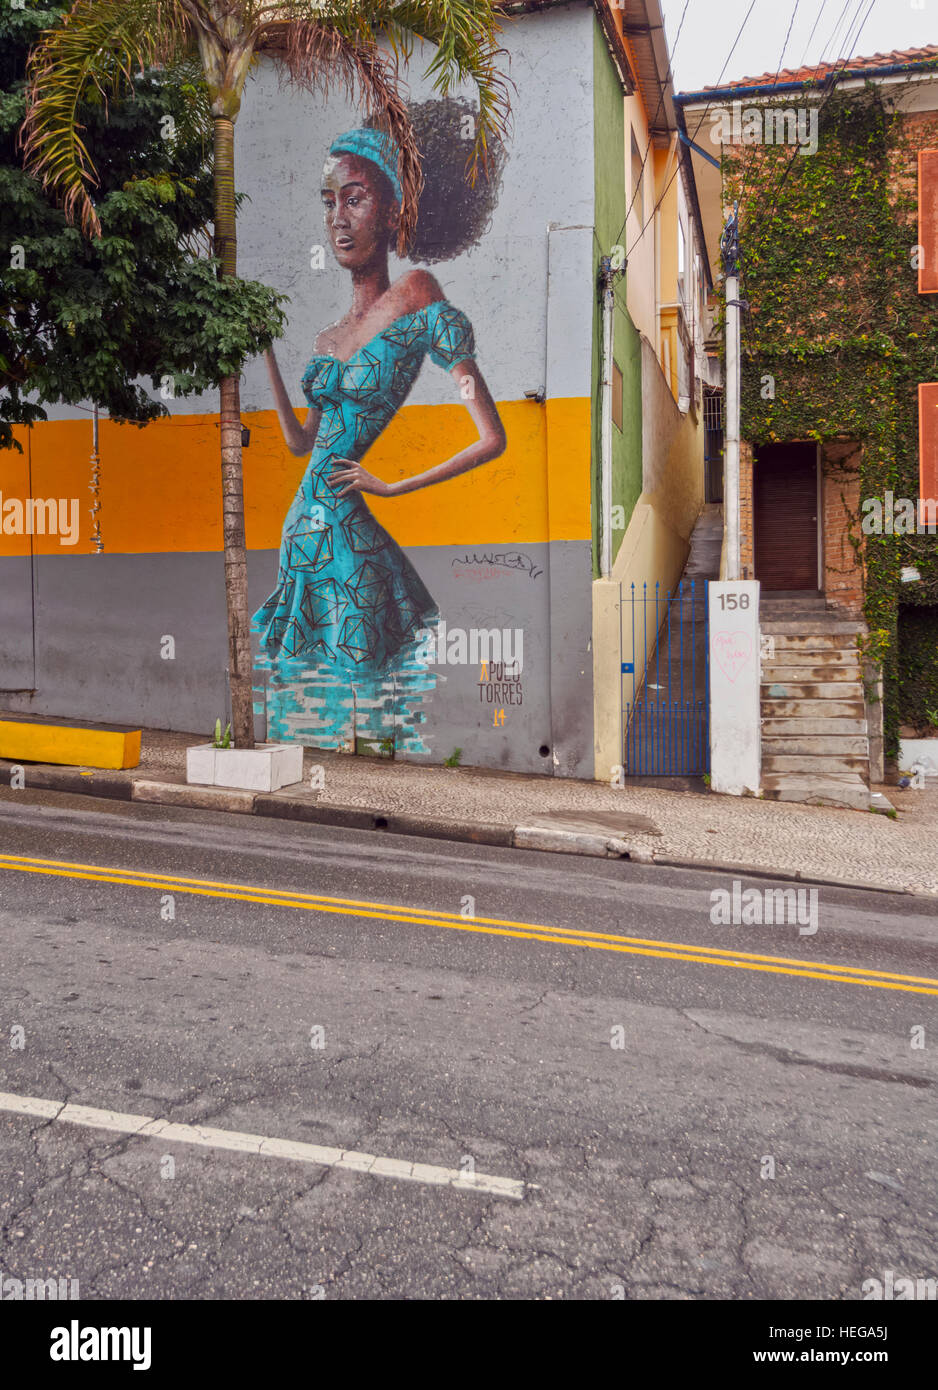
x: 746, y: 554
x: 840, y: 494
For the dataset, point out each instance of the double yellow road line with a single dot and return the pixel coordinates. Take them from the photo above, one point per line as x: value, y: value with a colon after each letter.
x: 488, y: 926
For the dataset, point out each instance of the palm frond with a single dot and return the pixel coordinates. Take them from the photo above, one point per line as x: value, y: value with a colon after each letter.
x: 324, y: 42
x: 465, y: 35
x: 319, y: 58
x: 101, y: 46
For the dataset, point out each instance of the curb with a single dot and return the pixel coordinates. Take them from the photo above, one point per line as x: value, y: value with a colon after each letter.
x: 727, y: 866
x: 118, y: 786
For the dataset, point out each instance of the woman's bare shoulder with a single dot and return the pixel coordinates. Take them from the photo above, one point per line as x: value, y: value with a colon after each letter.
x: 417, y: 289
x: 326, y: 338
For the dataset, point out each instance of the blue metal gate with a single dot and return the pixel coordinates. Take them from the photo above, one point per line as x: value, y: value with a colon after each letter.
x: 666, y: 681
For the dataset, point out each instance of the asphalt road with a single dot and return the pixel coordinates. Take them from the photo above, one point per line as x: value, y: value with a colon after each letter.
x: 634, y: 1087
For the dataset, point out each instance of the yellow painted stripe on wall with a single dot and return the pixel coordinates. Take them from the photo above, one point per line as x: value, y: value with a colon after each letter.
x: 161, y: 488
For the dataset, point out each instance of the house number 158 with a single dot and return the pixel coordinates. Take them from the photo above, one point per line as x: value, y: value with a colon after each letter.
x: 734, y: 601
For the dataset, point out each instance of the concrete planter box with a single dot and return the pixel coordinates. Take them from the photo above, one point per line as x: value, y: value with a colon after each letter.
x: 919, y: 750
x: 262, y: 769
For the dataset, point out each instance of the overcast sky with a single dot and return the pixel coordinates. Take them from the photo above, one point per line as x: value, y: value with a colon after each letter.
x: 710, y: 26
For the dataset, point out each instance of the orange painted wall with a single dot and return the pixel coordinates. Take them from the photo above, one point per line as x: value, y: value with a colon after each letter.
x: 161, y: 491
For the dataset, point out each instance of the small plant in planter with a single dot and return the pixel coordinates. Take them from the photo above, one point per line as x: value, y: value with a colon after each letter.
x: 264, y: 768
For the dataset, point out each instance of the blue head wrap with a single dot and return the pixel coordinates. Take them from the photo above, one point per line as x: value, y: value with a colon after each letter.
x: 374, y: 145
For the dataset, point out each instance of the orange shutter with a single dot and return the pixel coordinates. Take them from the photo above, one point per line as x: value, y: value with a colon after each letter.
x: 928, y: 221
x: 928, y: 441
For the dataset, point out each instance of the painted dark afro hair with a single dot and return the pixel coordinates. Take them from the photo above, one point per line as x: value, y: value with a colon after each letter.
x: 453, y: 215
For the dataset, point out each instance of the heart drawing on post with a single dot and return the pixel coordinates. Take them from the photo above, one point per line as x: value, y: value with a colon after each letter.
x: 732, y: 651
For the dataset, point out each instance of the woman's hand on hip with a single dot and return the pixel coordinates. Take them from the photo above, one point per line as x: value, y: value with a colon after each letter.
x: 351, y: 477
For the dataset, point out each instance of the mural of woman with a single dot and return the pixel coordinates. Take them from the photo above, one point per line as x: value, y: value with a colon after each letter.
x: 343, y: 633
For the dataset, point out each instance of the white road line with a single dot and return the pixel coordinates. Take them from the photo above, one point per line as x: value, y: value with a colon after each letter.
x: 143, y: 1127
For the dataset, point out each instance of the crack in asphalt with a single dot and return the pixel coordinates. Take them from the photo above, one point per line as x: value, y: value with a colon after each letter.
x: 791, y: 1057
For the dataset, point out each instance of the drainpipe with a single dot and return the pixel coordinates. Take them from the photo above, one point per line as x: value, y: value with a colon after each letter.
x: 729, y: 245
x: 811, y: 86
x: 607, y: 280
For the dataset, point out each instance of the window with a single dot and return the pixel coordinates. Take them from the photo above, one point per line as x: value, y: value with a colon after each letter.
x: 618, y: 396
x: 681, y: 261
x: 713, y: 443
x: 927, y: 445
x: 638, y: 183
x: 927, y: 221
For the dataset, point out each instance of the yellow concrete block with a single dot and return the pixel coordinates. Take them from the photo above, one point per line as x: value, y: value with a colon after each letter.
x: 60, y: 743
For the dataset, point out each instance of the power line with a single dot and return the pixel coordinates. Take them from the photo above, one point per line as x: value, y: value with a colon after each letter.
x: 833, y: 35
x: 677, y: 168
x: 752, y: 162
x: 667, y: 79
x: 767, y: 215
x: 811, y: 35
x: 785, y: 44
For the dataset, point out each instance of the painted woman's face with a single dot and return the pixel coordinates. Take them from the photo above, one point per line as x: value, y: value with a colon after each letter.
x: 359, y: 216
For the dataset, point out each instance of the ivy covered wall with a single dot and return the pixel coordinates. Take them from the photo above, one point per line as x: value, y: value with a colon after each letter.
x: 838, y: 337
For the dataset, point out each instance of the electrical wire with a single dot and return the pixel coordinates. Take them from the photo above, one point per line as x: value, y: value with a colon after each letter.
x: 664, y: 192
x: 766, y: 217
x: 769, y: 212
x: 667, y: 79
x: 811, y: 35
x: 752, y: 162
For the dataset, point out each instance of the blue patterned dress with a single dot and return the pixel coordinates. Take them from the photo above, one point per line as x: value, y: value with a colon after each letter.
x: 349, y: 605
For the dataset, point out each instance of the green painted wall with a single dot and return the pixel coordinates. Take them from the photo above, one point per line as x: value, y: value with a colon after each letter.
x: 610, y: 206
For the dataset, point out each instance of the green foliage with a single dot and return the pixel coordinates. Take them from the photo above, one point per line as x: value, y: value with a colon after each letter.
x: 87, y: 319
x: 874, y: 645
x: 221, y: 740
x: 453, y: 759
x: 918, y: 668
x: 837, y: 320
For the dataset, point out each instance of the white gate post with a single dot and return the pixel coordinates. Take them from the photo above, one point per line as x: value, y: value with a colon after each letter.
x: 735, y: 720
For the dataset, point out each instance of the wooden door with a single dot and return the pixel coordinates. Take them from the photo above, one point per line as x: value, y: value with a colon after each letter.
x: 785, y: 516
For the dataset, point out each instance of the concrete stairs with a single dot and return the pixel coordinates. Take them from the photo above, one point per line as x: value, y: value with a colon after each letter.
x: 815, y: 744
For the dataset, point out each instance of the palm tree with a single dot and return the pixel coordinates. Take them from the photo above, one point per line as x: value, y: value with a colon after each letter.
x: 320, y: 44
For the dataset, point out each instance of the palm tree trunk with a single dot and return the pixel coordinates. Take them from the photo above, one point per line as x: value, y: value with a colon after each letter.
x: 240, y: 675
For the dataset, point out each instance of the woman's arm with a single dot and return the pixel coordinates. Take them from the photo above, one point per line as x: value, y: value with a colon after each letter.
x: 491, y: 442
x: 298, y: 438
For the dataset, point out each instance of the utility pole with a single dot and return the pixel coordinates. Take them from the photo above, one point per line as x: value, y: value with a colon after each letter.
x: 729, y: 246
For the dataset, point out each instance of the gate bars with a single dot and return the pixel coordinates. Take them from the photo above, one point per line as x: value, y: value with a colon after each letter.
x: 666, y: 722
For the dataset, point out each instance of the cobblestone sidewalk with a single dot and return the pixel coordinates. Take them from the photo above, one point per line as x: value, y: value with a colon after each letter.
x: 812, y: 841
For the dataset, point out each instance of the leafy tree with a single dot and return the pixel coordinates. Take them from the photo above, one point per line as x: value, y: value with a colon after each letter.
x: 320, y: 45
x: 86, y: 319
